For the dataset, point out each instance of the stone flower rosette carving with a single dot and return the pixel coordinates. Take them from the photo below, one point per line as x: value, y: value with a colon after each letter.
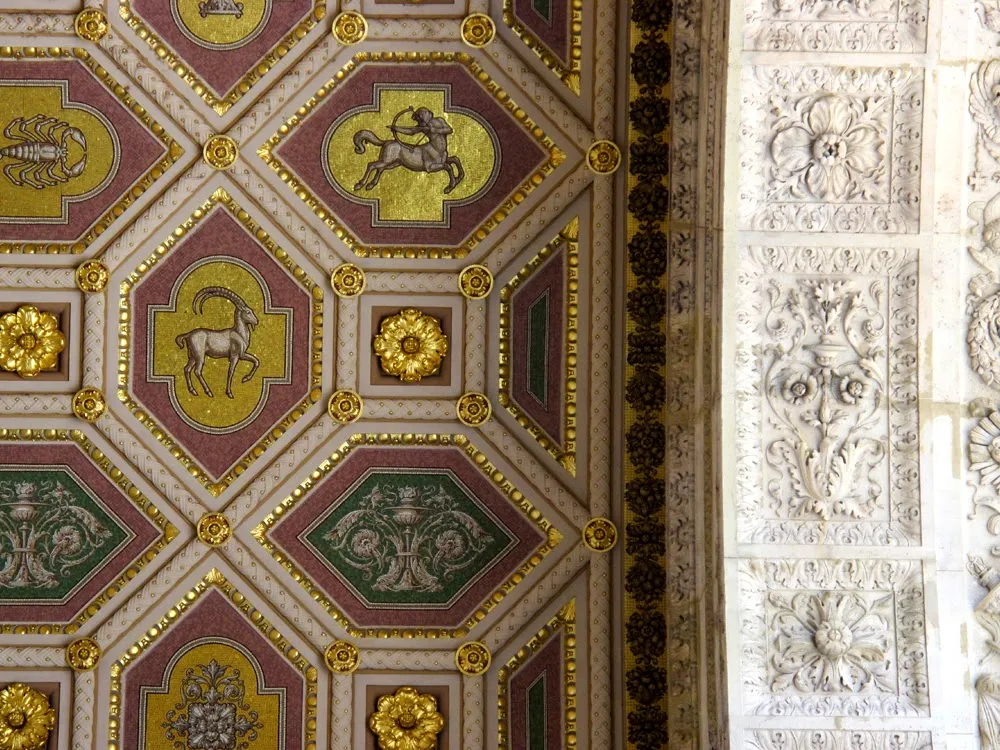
x: 827, y: 418
x: 836, y: 25
x: 833, y: 637
x: 831, y: 149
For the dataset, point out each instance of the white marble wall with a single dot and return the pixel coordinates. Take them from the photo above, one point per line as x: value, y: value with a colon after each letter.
x: 861, y: 351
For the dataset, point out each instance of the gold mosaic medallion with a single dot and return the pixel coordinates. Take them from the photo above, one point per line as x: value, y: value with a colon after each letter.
x: 600, y: 535
x: 475, y: 282
x: 91, y: 24
x: 407, y: 720
x: 220, y: 151
x: 604, y: 157
x: 342, y: 657
x: 92, y: 276
x: 345, y: 406
x: 30, y: 341
x: 473, y: 658
x: 348, y: 280
x: 350, y: 28
x: 478, y: 30
x: 26, y: 718
x: 89, y: 404
x: 214, y: 529
x: 83, y: 654
x: 411, y: 345
x: 473, y: 409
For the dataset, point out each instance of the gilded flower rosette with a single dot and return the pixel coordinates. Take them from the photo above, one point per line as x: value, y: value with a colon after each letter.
x: 30, y: 341
x: 406, y: 720
x: 411, y: 345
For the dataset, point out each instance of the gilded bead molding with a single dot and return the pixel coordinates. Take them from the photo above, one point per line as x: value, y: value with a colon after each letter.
x: 348, y: 280
x: 92, y: 276
x: 214, y: 529
x: 83, y: 654
x: 473, y: 658
x: 604, y: 157
x: 342, y: 657
x: 345, y: 406
x: 91, y: 24
x: 478, y: 30
x: 600, y: 535
x: 349, y: 28
x: 475, y: 282
x: 89, y: 404
x: 473, y: 409
x: 220, y: 151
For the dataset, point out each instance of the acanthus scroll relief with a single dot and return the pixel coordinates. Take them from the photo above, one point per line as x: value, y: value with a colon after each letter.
x: 827, y: 401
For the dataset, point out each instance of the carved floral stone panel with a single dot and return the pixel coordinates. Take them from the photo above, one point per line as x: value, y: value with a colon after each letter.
x: 836, y: 739
x: 833, y: 637
x: 831, y: 149
x: 827, y: 421
x: 836, y: 25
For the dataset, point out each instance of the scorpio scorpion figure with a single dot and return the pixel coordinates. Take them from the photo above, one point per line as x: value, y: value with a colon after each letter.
x: 41, y: 152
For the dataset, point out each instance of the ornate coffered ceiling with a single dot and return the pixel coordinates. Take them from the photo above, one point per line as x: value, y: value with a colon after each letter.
x: 307, y: 402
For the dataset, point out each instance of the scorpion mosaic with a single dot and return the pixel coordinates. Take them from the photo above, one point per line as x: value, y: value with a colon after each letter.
x: 41, y: 152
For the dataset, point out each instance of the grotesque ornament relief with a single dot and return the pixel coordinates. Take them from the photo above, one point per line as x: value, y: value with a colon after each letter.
x: 828, y: 401
x: 831, y: 149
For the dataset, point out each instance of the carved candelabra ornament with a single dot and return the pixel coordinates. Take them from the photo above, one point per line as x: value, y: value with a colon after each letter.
x: 26, y: 718
x: 406, y: 720
x: 411, y: 345
x: 30, y: 341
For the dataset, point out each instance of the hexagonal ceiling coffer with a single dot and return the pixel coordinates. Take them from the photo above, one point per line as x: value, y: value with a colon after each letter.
x: 424, y: 536
x: 468, y: 154
x: 221, y: 342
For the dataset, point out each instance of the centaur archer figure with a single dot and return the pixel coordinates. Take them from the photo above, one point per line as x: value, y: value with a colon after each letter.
x: 429, y: 157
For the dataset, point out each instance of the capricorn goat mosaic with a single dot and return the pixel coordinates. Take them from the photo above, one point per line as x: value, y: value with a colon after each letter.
x: 41, y: 152
x: 228, y: 343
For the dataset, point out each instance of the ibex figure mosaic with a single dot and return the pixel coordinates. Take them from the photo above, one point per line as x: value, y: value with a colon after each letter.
x: 228, y: 343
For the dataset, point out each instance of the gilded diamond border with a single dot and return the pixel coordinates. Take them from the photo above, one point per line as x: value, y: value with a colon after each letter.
x: 478, y: 460
x: 300, y: 189
x: 220, y: 197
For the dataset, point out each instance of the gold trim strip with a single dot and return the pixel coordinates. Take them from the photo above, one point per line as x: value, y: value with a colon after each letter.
x: 248, y: 81
x: 569, y: 74
x: 214, y: 578
x: 267, y: 153
x: 220, y: 197
x: 569, y: 238
x: 174, y: 151
x: 478, y: 459
x: 564, y: 620
x: 149, y: 510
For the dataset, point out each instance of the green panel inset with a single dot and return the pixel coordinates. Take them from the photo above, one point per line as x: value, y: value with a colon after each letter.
x: 408, y: 538
x: 53, y: 534
x: 538, y: 348
x: 543, y: 8
x: 537, y: 720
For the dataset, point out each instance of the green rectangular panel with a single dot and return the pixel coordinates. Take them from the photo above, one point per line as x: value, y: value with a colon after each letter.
x: 538, y: 348
x: 537, y: 739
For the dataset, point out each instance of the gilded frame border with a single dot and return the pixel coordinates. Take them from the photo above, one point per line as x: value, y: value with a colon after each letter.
x: 136, y: 189
x: 219, y: 198
x: 478, y: 460
x: 168, y: 532
x: 327, y: 216
x: 564, y: 620
x: 568, y: 74
x: 221, y: 105
x: 569, y: 237
x: 214, y: 579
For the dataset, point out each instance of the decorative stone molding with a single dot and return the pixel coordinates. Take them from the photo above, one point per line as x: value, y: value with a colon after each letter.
x: 833, y: 637
x: 831, y: 149
x: 836, y: 25
x: 836, y: 739
x: 827, y: 422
